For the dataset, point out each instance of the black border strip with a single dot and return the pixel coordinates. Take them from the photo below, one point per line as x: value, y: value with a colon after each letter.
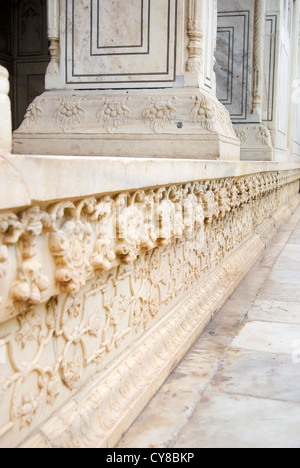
x: 230, y: 31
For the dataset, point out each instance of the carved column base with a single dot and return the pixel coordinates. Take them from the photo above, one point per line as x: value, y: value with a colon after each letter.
x: 256, y: 142
x: 159, y: 123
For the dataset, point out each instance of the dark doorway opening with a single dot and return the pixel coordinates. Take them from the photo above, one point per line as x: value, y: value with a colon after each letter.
x: 24, y: 51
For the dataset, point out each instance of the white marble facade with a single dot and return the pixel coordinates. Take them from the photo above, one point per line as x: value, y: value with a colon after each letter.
x: 145, y: 89
x: 111, y: 267
x: 257, y: 51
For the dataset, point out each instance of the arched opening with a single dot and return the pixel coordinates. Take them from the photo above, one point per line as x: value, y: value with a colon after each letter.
x: 24, y: 51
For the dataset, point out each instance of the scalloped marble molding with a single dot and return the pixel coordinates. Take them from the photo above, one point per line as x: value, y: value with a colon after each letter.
x: 57, y: 249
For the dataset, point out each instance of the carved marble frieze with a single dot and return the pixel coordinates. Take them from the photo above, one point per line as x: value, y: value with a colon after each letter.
x: 153, y: 113
x: 82, y: 281
x: 46, y: 251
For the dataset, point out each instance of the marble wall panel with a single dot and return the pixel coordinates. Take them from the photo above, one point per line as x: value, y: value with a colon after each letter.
x: 101, y: 50
x: 233, y: 57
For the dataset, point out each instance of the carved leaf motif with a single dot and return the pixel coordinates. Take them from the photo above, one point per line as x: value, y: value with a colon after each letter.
x: 52, y: 390
x: 33, y: 113
x: 70, y: 371
x: 204, y: 112
x: 28, y: 409
x: 241, y: 133
x: 264, y: 136
x: 94, y: 325
x: 69, y: 114
x: 159, y: 114
x: 10, y: 228
x: 30, y: 284
x: 103, y: 255
x: 113, y: 114
x: 29, y: 324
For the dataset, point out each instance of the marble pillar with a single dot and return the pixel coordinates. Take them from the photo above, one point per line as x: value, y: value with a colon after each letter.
x: 130, y: 79
x: 240, y: 73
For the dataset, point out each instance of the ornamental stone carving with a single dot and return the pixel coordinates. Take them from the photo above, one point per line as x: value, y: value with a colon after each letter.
x: 82, y: 239
x: 116, y: 266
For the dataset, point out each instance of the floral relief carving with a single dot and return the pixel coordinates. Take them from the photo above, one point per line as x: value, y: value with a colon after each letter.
x: 28, y: 409
x: 92, y: 236
x: 33, y: 113
x: 241, y: 133
x: 70, y: 371
x: 197, y: 226
x: 113, y: 114
x: 263, y: 136
x: 159, y: 114
x: 29, y: 323
x: 30, y: 282
x: 69, y: 113
x: 204, y: 112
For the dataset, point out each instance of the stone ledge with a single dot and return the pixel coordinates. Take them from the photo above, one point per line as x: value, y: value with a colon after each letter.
x: 107, y: 175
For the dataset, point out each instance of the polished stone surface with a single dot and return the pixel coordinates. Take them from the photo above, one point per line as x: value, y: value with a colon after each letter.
x: 239, y: 384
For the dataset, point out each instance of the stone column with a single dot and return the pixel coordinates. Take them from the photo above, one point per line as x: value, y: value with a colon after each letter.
x: 130, y: 79
x: 258, y: 57
x: 5, y: 115
x: 53, y: 36
x: 196, y: 34
x: 240, y: 73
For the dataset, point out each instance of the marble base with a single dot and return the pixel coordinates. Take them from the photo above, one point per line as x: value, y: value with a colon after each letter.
x: 256, y: 142
x: 172, y: 123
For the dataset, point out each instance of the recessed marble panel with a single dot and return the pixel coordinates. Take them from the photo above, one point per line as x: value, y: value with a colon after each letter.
x: 111, y: 42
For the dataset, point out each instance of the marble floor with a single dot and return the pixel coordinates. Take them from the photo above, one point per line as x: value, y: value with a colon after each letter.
x: 239, y: 386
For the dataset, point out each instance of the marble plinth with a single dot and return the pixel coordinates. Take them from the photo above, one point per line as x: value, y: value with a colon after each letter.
x: 169, y: 124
